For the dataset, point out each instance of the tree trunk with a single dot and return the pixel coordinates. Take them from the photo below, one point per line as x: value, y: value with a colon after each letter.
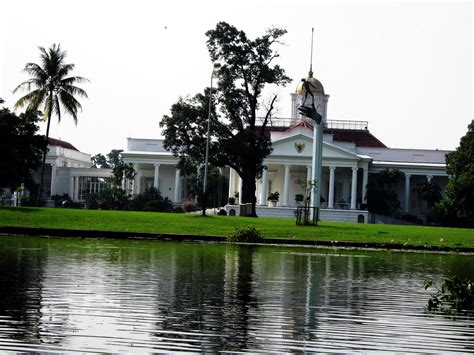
x: 40, y: 191
x: 249, y: 188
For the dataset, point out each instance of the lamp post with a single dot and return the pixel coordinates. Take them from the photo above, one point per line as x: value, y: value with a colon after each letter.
x: 206, y: 159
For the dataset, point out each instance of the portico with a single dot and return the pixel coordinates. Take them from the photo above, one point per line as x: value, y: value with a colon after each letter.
x: 288, y: 169
x: 163, y: 176
x: 349, y: 193
x: 414, y: 175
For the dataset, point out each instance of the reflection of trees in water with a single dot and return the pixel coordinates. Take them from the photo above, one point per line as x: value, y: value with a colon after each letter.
x: 299, y: 289
x: 21, y: 265
x: 194, y: 302
x: 241, y: 304
x: 212, y: 297
x: 203, y: 297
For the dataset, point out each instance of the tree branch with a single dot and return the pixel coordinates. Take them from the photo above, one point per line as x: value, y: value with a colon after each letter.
x: 267, y: 116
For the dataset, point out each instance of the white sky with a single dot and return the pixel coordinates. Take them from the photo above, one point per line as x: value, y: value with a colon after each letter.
x: 404, y: 67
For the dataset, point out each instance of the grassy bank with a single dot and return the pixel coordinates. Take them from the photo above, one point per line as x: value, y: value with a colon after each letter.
x: 222, y: 225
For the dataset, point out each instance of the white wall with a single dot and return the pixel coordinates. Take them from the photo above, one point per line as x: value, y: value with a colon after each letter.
x: 145, y: 145
x: 404, y: 155
x: 68, y: 157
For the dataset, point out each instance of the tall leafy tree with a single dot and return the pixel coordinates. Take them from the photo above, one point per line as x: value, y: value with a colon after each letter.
x: 114, y: 158
x: 108, y: 161
x: 239, y: 140
x: 52, y: 90
x: 429, y: 192
x: 381, y: 192
x: 114, y: 161
x: 100, y: 161
x: 457, y: 206
x: 21, y: 148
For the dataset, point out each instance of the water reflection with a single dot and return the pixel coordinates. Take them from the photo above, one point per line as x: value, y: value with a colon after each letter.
x: 126, y: 296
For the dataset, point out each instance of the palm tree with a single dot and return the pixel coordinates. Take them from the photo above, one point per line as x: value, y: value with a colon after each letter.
x: 52, y: 90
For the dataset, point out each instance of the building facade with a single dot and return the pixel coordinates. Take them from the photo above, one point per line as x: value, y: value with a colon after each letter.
x: 69, y: 172
x: 350, y: 154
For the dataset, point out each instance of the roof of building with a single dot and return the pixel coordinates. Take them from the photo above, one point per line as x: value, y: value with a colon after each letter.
x: 312, y: 84
x: 60, y: 143
x: 361, y: 138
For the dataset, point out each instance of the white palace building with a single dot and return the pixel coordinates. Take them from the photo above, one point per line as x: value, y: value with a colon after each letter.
x: 350, y: 154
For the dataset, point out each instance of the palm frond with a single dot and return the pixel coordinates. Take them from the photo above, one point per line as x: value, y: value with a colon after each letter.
x: 37, y: 100
x: 70, y: 104
x: 74, y: 90
x: 74, y: 80
x: 26, y: 85
x: 35, y: 71
x: 48, y: 107
x: 33, y: 100
x: 57, y: 107
x: 64, y: 70
x: 52, y: 87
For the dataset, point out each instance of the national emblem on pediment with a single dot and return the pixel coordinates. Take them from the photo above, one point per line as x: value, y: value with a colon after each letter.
x: 299, y: 147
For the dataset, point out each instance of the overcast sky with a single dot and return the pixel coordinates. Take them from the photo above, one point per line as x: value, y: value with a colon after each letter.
x: 404, y: 67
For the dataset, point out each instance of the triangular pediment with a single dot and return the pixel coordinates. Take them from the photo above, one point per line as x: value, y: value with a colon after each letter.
x: 301, y: 145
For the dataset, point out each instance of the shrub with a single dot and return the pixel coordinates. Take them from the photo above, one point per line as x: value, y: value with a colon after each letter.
x: 31, y: 201
x: 411, y: 218
x: 92, y: 201
x: 457, y: 293
x: 139, y: 202
x: 61, y: 200
x: 446, y: 214
x: 113, y: 198
x: 160, y: 205
x: 381, y: 192
x: 247, y: 234
x: 274, y: 196
x: 189, y: 206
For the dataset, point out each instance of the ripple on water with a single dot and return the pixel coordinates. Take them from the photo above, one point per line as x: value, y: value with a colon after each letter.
x: 116, y: 296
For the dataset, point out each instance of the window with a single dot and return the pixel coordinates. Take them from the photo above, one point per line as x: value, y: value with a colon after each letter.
x: 91, y: 184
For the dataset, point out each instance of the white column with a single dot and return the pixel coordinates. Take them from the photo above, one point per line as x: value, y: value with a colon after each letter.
x: 332, y: 170
x: 239, y: 179
x: 264, y: 188
x: 53, y: 179
x: 156, y: 178
x: 407, y: 192
x: 231, y: 182
x: 365, y: 181
x: 308, y: 173
x: 429, y: 178
x: 286, y: 186
x: 71, y: 187
x: 76, y: 188
x: 177, y: 186
x: 354, y: 189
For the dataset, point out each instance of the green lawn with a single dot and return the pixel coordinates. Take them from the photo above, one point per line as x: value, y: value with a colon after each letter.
x: 222, y: 225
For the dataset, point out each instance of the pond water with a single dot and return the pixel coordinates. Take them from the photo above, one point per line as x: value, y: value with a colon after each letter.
x: 66, y: 295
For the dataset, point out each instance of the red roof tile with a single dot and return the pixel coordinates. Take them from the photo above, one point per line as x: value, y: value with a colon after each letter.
x: 60, y: 143
x: 361, y: 138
